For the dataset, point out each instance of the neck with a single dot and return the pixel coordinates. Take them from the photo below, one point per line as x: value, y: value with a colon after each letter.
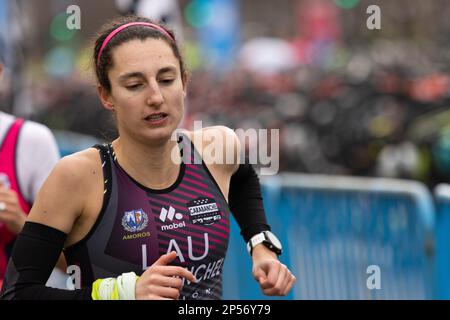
x: 150, y: 165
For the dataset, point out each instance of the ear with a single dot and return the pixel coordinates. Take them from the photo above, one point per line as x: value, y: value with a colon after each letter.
x: 185, y: 79
x: 105, y: 97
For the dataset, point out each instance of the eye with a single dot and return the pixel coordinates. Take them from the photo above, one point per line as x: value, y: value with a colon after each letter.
x: 133, y: 86
x: 167, y: 81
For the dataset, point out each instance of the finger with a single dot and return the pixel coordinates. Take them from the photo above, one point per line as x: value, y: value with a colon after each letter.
x: 287, y: 278
x: 6, y: 216
x: 154, y: 297
x: 289, y: 285
x: 3, y: 200
x: 166, y: 292
x: 270, y: 292
x: 275, y: 290
x: 171, y: 282
x: 272, y: 276
x: 259, y: 275
x: 179, y: 272
x: 9, y: 200
x: 7, y: 194
x: 165, y: 259
x: 10, y: 213
x: 282, y: 276
x: 10, y: 206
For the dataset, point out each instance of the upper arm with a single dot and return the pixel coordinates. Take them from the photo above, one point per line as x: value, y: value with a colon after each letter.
x: 61, y: 199
x: 224, y: 141
x: 37, y: 155
x: 233, y: 147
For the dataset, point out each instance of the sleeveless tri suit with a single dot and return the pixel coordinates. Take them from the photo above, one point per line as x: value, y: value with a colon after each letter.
x: 137, y: 225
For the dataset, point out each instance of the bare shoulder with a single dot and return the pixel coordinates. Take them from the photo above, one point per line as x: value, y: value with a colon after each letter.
x: 219, y: 146
x: 64, y: 194
x: 77, y: 167
x: 83, y: 159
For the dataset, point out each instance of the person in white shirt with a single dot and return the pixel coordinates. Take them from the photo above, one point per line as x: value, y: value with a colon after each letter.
x: 28, y: 152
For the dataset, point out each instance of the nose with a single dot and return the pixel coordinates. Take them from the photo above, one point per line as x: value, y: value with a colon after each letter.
x: 154, y: 96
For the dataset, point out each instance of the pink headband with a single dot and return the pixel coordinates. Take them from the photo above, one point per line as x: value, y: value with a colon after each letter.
x: 116, y: 31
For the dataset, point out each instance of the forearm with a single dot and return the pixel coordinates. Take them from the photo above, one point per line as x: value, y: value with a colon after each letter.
x: 34, y: 256
x: 41, y: 292
x: 246, y: 202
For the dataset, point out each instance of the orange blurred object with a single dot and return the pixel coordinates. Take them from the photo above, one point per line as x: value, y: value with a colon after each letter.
x: 430, y: 88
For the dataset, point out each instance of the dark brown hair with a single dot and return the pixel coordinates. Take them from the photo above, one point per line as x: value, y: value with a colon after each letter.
x: 103, y: 65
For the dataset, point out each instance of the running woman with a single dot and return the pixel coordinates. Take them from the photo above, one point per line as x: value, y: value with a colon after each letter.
x: 138, y: 220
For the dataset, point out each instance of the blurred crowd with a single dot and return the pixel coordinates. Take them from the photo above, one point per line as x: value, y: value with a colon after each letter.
x: 372, y: 106
x: 364, y: 117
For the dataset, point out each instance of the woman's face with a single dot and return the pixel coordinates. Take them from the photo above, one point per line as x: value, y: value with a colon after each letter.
x: 146, y: 80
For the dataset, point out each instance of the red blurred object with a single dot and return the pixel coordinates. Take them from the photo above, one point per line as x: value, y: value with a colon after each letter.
x: 318, y: 20
x: 429, y: 88
x: 318, y: 24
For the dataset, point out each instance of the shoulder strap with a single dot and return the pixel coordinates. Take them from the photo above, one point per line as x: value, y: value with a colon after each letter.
x: 105, y: 156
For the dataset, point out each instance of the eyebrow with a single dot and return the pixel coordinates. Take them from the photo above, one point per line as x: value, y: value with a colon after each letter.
x: 126, y: 76
x: 129, y: 75
x: 167, y: 69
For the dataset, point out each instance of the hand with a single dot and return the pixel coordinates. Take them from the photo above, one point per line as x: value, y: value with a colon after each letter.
x: 159, y: 283
x: 11, y: 213
x: 274, y: 278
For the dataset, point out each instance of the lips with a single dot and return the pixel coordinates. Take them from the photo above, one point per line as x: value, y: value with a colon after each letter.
x: 156, y: 116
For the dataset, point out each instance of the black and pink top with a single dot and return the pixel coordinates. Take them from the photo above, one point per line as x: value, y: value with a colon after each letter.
x: 137, y: 225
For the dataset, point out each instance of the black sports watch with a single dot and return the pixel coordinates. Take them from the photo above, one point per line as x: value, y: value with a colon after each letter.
x: 268, y: 239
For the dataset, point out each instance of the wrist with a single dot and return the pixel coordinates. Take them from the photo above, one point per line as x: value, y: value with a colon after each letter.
x: 260, y: 251
x: 121, y: 288
x: 268, y: 239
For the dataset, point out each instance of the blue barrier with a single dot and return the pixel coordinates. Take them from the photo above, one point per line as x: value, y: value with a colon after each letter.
x: 442, y: 264
x: 334, y: 228
x: 71, y: 142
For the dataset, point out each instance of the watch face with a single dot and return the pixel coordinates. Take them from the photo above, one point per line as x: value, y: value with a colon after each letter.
x: 268, y: 239
x: 272, y: 238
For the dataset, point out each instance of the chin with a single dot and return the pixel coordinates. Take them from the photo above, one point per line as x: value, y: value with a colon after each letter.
x: 159, y: 135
